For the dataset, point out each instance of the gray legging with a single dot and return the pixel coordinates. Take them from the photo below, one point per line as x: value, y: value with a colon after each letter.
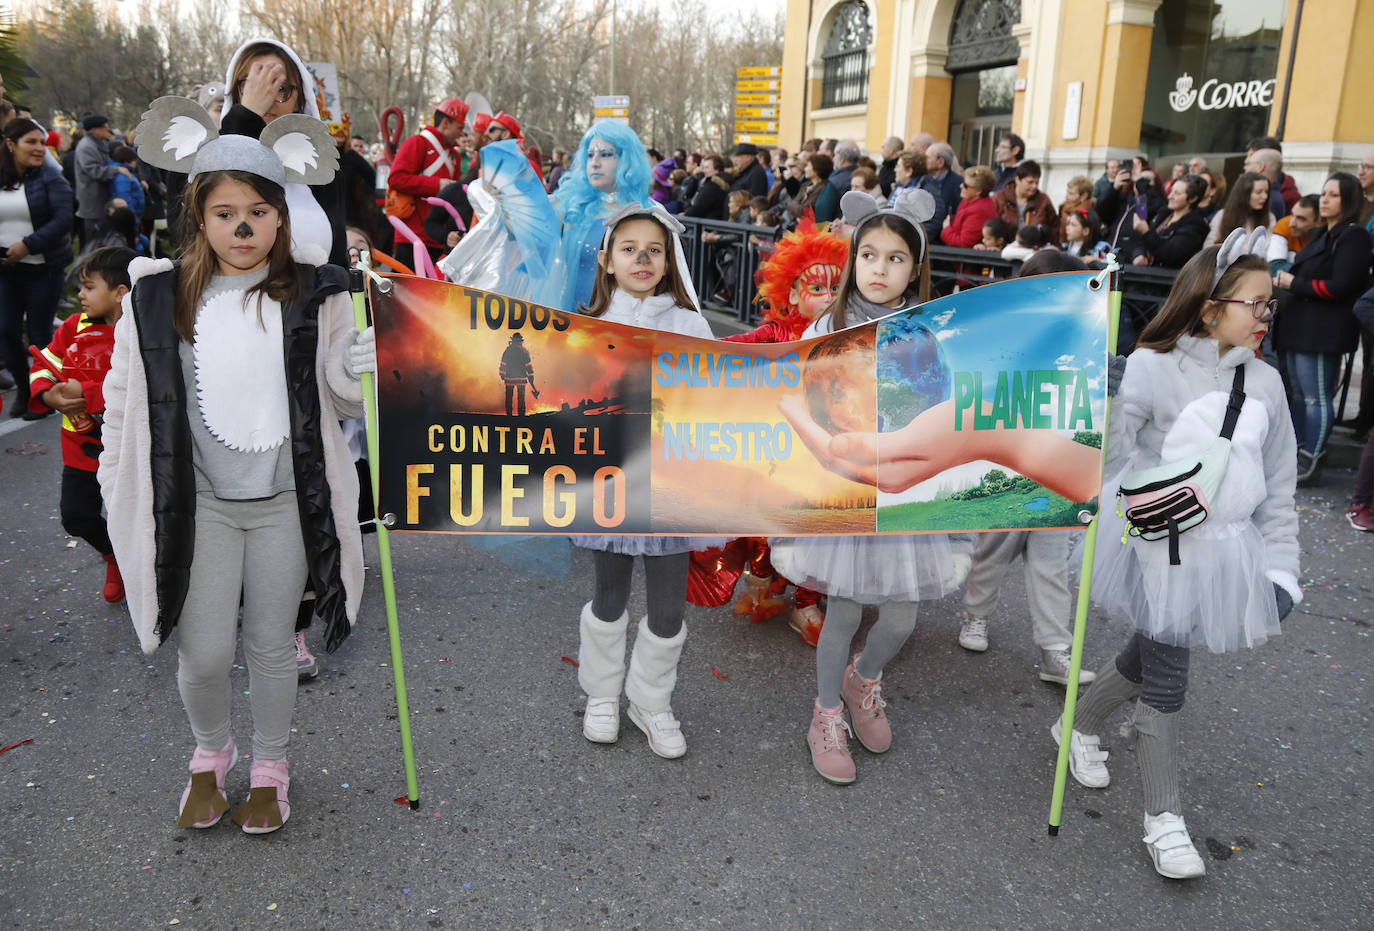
x: 665, y: 589
x: 896, y: 621
x: 253, y: 548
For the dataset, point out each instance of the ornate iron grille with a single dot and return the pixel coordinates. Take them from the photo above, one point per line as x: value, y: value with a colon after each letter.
x: 845, y: 79
x: 980, y: 35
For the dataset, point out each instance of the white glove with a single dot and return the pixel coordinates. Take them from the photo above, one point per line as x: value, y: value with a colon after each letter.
x: 362, y: 353
x: 963, y: 562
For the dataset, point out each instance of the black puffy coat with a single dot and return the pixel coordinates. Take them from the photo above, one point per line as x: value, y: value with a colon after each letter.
x: 1317, y: 314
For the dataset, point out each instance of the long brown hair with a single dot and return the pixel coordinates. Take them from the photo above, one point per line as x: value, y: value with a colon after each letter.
x: 10, y: 175
x: 1237, y: 213
x: 1182, y: 311
x: 671, y: 283
x: 199, y: 262
x: 914, y: 241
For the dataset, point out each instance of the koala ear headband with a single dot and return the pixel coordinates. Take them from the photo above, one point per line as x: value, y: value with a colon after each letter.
x: 1236, y: 245
x: 669, y: 222
x: 913, y: 205
x: 294, y: 148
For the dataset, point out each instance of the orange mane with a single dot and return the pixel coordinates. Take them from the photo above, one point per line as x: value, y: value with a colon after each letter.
x: 795, y: 253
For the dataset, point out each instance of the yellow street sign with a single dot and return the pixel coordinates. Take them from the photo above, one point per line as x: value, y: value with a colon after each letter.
x: 756, y: 113
x: 767, y: 71
x: 756, y: 100
x: 756, y: 126
x: 611, y: 111
x: 758, y: 84
x: 756, y: 139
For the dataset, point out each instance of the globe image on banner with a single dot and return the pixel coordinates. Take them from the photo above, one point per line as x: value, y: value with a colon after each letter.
x: 838, y: 382
x: 913, y: 372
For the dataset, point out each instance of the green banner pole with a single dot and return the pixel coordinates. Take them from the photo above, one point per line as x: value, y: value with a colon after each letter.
x: 1085, y: 577
x: 358, y: 284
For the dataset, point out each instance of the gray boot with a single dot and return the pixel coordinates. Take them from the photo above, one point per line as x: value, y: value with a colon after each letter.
x: 1156, y: 751
x: 1109, y: 691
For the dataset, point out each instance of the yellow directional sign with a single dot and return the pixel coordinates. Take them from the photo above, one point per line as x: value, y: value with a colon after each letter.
x: 756, y: 113
x: 756, y: 139
x: 756, y: 126
x: 767, y: 71
x: 611, y: 111
x: 756, y: 100
x: 758, y: 84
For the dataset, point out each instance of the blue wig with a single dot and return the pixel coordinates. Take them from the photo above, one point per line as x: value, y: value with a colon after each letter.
x: 583, y: 207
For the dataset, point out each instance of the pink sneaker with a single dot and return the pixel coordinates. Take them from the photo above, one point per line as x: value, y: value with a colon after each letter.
x: 306, y: 667
x: 267, y: 807
x: 1361, y: 517
x: 829, y: 748
x: 203, y: 802
x: 864, y: 698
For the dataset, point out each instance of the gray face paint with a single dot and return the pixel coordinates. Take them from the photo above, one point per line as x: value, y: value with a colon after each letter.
x: 243, y: 231
x: 642, y: 257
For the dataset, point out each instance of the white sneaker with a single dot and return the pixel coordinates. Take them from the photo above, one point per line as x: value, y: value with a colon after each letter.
x: 662, y: 729
x: 601, y: 720
x: 1087, y: 759
x: 1171, y: 849
x: 1054, y: 667
x: 973, y: 634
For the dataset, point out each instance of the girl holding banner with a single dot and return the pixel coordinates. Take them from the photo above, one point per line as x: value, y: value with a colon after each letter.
x: 639, y: 283
x: 887, y: 271
x: 1223, y: 582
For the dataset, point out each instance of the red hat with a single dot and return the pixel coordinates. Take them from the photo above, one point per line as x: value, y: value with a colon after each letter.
x: 454, y: 109
x: 508, y: 121
x: 480, y: 122
x: 54, y: 140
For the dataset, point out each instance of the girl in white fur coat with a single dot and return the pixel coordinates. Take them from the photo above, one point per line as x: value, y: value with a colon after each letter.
x: 1237, y: 574
x: 225, y: 473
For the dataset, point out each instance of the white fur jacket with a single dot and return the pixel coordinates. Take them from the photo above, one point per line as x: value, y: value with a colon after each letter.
x: 125, y: 475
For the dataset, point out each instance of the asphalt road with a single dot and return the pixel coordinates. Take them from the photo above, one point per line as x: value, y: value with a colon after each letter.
x: 523, y: 824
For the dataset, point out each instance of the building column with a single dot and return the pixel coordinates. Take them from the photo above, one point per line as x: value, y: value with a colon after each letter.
x: 1125, y: 62
x: 931, y: 87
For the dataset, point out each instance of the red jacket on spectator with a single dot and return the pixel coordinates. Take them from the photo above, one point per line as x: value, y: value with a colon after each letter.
x: 421, y: 166
x: 1288, y: 190
x: 965, y: 229
x: 1039, y: 210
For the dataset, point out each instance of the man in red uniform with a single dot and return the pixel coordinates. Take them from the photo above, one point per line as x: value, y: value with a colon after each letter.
x: 424, y: 165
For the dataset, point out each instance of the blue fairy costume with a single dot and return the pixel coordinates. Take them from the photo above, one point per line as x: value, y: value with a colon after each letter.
x: 582, y: 205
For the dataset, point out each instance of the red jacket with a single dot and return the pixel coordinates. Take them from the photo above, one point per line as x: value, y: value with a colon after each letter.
x: 80, y: 350
x: 965, y: 230
x: 418, y: 171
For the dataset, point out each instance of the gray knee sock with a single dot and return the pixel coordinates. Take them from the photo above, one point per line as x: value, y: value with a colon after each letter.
x: 842, y: 618
x: 611, y: 593
x: 1156, y: 751
x: 896, y: 621
x: 1103, y: 698
x: 665, y: 593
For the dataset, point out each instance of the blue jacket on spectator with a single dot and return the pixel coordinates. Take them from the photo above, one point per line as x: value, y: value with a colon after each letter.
x: 128, y: 189
x: 945, y: 190
x: 51, y: 211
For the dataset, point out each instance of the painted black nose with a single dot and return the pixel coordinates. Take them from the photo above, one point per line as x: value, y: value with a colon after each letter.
x: 244, y: 231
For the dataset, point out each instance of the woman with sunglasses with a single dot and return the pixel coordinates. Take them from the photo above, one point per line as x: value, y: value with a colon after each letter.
x: 266, y: 79
x: 1177, y: 232
x: 975, y: 208
x: 1317, y: 322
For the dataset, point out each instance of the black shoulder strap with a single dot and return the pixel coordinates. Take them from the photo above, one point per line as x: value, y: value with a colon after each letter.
x: 1234, y: 404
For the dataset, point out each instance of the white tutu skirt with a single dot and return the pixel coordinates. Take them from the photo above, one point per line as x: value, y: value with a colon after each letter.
x: 1218, y: 597
x: 869, y: 570
x: 647, y: 546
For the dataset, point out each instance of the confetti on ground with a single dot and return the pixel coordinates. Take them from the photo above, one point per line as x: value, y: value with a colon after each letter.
x: 19, y: 743
x: 401, y: 800
x: 720, y: 675
x: 273, y: 906
x: 568, y: 659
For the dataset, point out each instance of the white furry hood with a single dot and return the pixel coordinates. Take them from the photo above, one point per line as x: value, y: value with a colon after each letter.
x: 306, y: 78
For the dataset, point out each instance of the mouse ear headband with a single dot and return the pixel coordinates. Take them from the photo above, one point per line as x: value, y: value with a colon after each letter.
x: 913, y: 205
x: 1236, y: 245
x: 654, y: 211
x: 293, y: 148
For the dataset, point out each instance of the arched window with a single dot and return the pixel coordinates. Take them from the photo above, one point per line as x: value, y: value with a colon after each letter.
x: 980, y: 34
x: 845, y: 80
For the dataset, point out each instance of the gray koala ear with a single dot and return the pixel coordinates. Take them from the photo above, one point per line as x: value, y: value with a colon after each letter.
x: 1233, y: 248
x: 304, y: 146
x: 1257, y: 243
x: 173, y: 130
x: 856, y: 206
x: 917, y: 204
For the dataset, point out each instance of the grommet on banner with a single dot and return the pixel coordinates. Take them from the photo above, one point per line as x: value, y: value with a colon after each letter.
x: 1085, y: 516
x: 365, y: 266
x: 389, y: 519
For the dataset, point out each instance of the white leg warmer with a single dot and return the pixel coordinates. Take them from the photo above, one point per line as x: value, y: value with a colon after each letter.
x: 653, y: 668
x: 601, y: 654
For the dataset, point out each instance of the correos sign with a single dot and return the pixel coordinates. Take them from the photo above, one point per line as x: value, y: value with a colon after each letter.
x: 1214, y: 95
